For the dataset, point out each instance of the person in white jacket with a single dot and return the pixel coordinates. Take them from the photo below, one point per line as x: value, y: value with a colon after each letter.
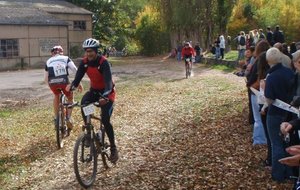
x: 222, y: 46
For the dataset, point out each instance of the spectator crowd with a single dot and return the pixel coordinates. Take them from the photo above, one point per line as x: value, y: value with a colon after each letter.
x: 272, y: 71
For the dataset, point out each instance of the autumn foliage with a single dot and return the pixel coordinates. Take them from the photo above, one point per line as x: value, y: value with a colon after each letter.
x: 253, y: 14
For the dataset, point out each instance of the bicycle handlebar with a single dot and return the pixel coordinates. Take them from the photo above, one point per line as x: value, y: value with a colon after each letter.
x: 76, y: 104
x: 92, y: 116
x: 71, y: 105
x: 101, y: 95
x: 72, y: 87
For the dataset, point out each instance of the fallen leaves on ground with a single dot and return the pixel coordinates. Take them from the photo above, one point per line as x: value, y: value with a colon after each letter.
x: 172, y: 133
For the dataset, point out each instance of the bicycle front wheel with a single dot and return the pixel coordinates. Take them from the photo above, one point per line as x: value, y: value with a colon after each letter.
x: 190, y: 69
x: 186, y: 70
x: 85, y: 160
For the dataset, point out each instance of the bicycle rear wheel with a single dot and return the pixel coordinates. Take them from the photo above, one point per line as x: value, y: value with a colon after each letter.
x: 85, y: 160
x: 60, y: 126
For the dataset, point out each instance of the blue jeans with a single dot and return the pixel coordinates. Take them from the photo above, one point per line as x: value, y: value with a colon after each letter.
x: 259, y: 136
x: 280, y: 172
x: 179, y: 56
x: 241, y: 54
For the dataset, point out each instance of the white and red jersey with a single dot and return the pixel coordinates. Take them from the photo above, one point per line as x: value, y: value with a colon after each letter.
x: 58, y: 68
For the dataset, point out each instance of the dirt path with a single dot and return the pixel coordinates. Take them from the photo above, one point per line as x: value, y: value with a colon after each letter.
x: 172, y: 133
x: 28, y: 85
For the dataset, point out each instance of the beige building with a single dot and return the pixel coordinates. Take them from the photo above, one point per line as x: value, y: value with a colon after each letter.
x: 29, y: 29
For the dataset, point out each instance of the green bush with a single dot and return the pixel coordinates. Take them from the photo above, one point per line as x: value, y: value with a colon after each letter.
x: 133, y: 48
x: 121, y: 42
x: 76, y: 51
x: 153, y: 39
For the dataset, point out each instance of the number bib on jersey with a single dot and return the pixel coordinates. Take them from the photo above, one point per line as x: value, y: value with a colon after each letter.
x: 59, y: 70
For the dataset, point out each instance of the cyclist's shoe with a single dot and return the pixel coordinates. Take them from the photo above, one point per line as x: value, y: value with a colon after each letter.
x: 67, y: 132
x: 114, y: 155
x: 69, y: 124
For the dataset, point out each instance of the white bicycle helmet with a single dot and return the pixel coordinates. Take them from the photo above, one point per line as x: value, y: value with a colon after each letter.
x: 57, y: 49
x: 187, y: 43
x: 90, y: 43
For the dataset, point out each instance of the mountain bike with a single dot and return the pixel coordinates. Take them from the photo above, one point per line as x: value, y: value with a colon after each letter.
x: 87, y: 148
x: 61, y: 128
x: 188, y: 67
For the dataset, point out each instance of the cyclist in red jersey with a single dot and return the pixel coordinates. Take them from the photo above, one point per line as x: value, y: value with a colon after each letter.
x: 98, y: 70
x: 56, y: 76
x: 187, y: 51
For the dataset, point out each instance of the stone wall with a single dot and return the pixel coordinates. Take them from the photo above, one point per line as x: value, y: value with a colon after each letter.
x: 212, y: 61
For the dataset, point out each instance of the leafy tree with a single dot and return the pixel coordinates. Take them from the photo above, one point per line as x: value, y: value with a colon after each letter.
x: 104, y: 17
x: 152, y: 36
x: 113, y: 20
x: 195, y: 19
x: 224, y: 12
x: 128, y: 10
x: 252, y: 14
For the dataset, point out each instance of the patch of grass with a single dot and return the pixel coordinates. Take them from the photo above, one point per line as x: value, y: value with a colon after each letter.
x: 116, y: 61
x: 10, y: 165
x: 223, y: 68
x: 4, y: 113
x: 29, y: 136
x: 121, y: 60
x: 231, y: 56
x: 213, y: 99
x: 23, y: 127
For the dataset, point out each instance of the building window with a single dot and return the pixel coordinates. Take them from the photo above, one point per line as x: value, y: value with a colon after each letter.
x: 79, y: 24
x: 9, y: 48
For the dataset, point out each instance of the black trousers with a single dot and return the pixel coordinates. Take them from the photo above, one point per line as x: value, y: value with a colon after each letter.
x: 250, y: 116
x: 106, y: 112
x: 222, y: 52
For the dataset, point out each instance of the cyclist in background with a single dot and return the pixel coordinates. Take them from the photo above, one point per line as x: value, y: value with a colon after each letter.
x: 56, y: 76
x: 187, y: 51
x: 98, y: 70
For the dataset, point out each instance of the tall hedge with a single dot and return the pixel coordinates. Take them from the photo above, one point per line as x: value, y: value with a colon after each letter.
x: 152, y: 37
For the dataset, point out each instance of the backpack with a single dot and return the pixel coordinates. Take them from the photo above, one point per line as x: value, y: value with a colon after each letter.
x: 242, y: 41
x: 101, y: 60
x: 112, y: 95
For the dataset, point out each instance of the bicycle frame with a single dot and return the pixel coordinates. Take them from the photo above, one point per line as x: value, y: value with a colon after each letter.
x: 88, y: 128
x: 61, y: 117
x: 88, y: 141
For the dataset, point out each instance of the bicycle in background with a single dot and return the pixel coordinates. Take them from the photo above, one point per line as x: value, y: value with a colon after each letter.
x: 61, y: 120
x: 88, y: 146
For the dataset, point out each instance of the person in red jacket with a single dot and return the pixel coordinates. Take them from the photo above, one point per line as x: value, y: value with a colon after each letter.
x: 98, y: 70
